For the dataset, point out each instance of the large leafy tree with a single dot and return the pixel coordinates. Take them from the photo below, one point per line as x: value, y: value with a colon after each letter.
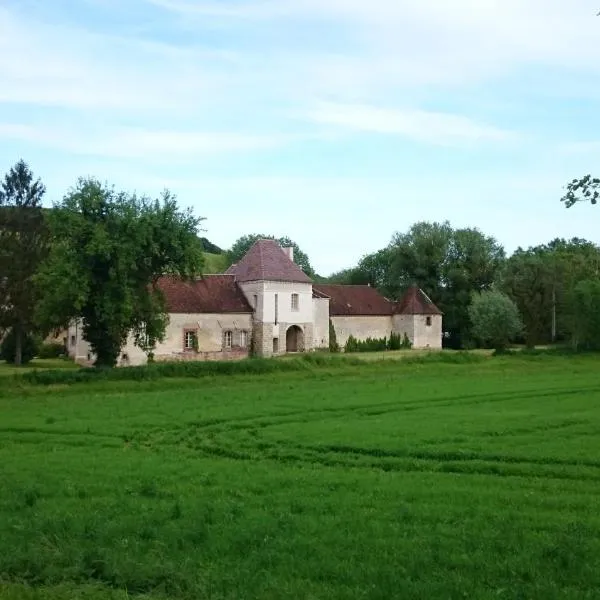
x: 419, y: 256
x: 243, y: 244
x: 22, y: 247
x: 449, y: 265
x: 108, y: 251
x: 471, y: 266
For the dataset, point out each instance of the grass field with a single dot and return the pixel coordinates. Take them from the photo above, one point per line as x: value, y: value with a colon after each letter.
x: 379, y: 481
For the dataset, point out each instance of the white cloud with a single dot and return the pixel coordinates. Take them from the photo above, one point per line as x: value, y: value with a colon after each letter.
x: 59, y: 66
x: 437, y: 40
x: 423, y: 126
x: 132, y: 143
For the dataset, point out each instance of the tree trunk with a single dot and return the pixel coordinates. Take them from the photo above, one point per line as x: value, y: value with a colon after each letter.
x: 18, y: 346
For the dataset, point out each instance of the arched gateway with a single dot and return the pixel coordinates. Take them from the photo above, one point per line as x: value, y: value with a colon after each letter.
x: 294, y: 339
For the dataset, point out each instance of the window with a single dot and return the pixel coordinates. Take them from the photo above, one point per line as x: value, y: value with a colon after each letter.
x: 227, y: 339
x: 428, y: 321
x: 255, y: 302
x: 73, y: 340
x: 189, y: 340
x: 243, y: 339
x: 276, y: 309
x: 295, y: 302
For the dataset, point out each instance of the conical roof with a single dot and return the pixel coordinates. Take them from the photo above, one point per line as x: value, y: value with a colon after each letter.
x: 416, y: 302
x: 267, y: 261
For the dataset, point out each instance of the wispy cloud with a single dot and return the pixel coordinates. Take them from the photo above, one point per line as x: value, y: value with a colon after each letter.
x: 162, y: 146
x: 423, y: 126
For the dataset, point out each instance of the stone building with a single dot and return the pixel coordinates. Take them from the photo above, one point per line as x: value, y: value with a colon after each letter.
x: 267, y: 304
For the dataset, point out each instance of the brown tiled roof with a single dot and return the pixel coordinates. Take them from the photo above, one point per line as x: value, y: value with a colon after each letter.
x: 416, y: 302
x: 349, y: 300
x: 267, y: 261
x: 211, y: 294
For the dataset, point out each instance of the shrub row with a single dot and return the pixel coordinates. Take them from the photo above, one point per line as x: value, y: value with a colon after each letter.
x: 394, y: 342
x: 185, y: 369
x: 254, y: 366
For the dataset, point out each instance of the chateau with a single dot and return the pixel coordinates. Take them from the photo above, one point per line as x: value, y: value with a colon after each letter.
x: 267, y: 304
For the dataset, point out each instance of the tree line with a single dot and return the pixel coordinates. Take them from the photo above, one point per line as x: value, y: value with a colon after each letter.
x: 97, y: 254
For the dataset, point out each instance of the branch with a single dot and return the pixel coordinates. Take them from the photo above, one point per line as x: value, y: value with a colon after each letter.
x: 585, y: 189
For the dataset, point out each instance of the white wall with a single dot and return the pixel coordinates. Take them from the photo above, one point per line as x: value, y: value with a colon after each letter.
x: 404, y: 324
x: 321, y: 322
x: 265, y: 309
x: 428, y: 336
x: 361, y: 327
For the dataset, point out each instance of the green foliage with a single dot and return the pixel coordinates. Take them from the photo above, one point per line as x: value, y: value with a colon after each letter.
x: 243, y: 244
x: 215, y: 263
x: 51, y: 350
x: 23, y: 246
x: 394, y: 342
x: 239, y: 487
x: 333, y: 343
x: 542, y: 279
x: 448, y: 264
x: 495, y: 319
x: 108, y: 250
x: 8, y: 348
x: 209, y: 247
x: 585, y: 317
x: 585, y: 189
x: 185, y: 369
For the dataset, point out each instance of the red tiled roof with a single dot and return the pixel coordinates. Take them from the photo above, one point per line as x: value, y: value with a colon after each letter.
x: 416, y: 302
x: 266, y: 261
x: 349, y: 300
x: 211, y: 294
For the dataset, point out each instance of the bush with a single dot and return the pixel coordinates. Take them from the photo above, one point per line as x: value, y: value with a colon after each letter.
x: 495, y: 318
x: 8, y: 347
x: 394, y: 342
x: 333, y: 344
x: 51, y: 350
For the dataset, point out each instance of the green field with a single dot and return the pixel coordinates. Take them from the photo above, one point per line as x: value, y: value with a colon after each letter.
x: 379, y: 481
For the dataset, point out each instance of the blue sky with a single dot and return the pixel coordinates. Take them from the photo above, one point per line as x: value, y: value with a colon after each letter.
x: 335, y: 122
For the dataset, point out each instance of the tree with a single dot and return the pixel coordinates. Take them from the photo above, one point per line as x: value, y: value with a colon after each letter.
x: 585, y: 189
x: 472, y: 265
x: 28, y: 348
x: 541, y: 280
x: 243, y: 244
x: 23, y: 245
x: 586, y: 315
x: 495, y: 319
x: 449, y: 265
x: 108, y: 251
x: 419, y: 257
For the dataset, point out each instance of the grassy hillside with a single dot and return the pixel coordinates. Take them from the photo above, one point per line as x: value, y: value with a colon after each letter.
x: 215, y: 263
x: 393, y: 480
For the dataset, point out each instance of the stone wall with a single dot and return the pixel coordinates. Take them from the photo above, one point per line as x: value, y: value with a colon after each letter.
x: 236, y: 354
x: 209, y: 329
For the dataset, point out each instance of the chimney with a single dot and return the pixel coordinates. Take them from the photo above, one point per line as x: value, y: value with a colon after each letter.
x: 289, y: 251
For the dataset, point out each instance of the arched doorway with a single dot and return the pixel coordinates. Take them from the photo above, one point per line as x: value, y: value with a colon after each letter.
x: 294, y: 339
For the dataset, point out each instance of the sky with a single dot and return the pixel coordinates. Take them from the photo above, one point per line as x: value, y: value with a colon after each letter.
x: 334, y: 122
